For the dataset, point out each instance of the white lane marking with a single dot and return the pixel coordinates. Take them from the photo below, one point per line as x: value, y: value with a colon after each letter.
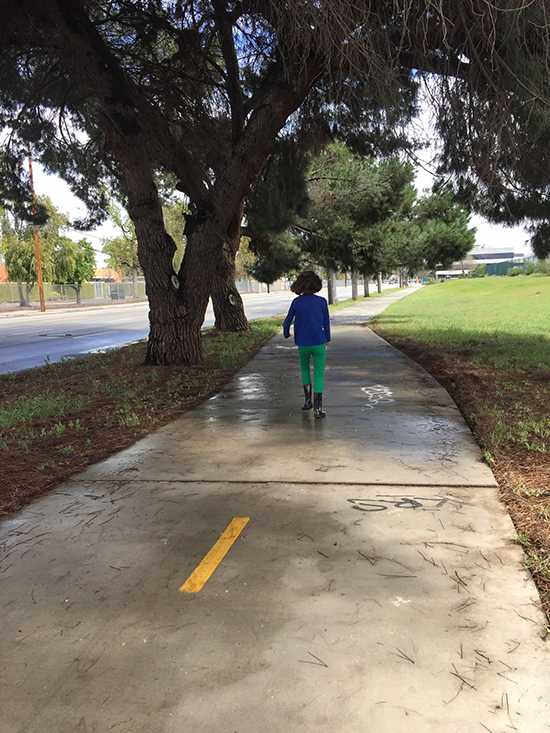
x: 92, y: 334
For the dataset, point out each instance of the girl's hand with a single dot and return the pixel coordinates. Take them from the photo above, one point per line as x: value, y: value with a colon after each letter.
x: 328, y: 344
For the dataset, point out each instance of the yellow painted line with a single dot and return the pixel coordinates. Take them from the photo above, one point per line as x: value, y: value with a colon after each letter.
x: 204, y: 570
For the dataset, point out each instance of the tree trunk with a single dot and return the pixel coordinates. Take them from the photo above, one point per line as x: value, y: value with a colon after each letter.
x: 226, y: 299
x: 135, y: 291
x: 354, y: 294
x: 22, y: 301
x: 379, y: 281
x: 78, y: 289
x: 331, y: 287
x: 366, y: 292
x: 176, y: 304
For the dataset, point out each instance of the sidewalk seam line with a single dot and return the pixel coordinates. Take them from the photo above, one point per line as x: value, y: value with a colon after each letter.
x: 267, y: 481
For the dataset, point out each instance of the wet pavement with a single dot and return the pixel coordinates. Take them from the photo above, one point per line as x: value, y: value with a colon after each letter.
x: 375, y: 586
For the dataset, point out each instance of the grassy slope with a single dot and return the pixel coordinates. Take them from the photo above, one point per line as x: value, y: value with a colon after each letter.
x: 488, y: 342
x: 506, y: 319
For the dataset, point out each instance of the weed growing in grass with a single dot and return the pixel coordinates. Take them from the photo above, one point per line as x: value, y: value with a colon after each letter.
x: 130, y: 420
x: 537, y: 564
x: 42, y: 407
x: 522, y: 538
x: 533, y: 492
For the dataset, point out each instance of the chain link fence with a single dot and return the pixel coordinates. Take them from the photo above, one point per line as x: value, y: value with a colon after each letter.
x: 15, y: 293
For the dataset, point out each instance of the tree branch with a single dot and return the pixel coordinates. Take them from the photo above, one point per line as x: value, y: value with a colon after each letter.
x: 225, y: 31
x: 281, y: 98
x: 129, y: 114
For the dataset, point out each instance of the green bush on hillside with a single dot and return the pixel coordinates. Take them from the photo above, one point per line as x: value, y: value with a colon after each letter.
x: 478, y: 272
x: 514, y: 271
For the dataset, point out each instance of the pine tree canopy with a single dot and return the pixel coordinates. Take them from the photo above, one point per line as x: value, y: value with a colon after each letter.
x: 193, y: 73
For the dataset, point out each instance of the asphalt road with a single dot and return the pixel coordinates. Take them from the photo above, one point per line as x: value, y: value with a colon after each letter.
x: 31, y: 340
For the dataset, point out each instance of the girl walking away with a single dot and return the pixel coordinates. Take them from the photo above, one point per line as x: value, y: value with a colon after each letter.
x: 311, y: 335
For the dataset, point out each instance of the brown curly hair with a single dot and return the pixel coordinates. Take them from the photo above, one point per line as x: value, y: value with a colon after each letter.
x: 307, y: 283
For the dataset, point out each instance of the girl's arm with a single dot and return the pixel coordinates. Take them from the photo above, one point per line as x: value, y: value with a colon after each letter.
x: 326, y: 321
x: 288, y: 320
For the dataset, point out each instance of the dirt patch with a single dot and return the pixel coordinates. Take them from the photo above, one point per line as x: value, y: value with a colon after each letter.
x: 58, y: 419
x: 508, y: 412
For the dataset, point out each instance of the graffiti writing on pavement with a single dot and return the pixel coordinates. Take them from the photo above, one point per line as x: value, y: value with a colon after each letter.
x: 381, y: 502
x: 377, y: 395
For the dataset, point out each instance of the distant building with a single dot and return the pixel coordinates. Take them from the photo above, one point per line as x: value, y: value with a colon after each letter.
x: 486, y: 255
x: 107, y: 274
x: 483, y: 256
x: 4, y: 274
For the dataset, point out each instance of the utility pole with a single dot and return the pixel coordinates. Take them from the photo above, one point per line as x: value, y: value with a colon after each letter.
x: 36, y: 240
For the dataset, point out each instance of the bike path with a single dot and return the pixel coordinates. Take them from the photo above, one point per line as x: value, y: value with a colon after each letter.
x: 374, y: 587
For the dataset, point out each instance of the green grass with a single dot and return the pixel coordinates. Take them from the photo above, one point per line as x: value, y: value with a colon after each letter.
x: 505, y: 320
x: 499, y: 326
x: 229, y: 346
x: 349, y: 301
x: 41, y: 407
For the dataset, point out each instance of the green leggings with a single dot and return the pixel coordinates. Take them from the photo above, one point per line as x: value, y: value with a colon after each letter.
x: 319, y: 354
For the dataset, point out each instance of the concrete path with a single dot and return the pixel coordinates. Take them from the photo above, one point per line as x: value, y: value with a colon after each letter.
x: 374, y: 588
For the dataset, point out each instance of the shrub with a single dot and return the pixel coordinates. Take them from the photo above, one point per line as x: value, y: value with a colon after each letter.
x: 478, y: 272
x: 543, y: 267
x: 529, y: 268
x: 515, y: 271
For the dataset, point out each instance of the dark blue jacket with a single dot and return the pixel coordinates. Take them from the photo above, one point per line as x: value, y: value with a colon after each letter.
x: 311, y: 320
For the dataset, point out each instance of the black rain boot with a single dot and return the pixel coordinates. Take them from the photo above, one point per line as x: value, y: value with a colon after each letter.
x: 318, y: 405
x: 307, y: 395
